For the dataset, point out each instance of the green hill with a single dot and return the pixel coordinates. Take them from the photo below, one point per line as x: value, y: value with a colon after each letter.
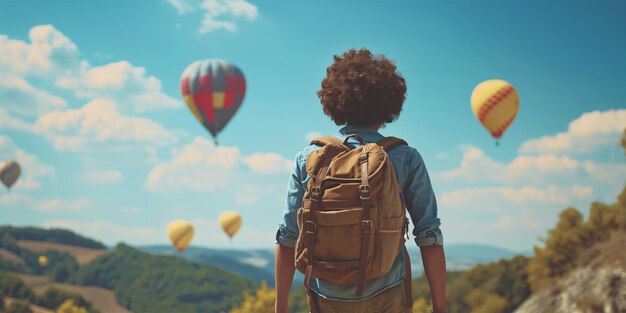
x: 151, y: 284
x: 140, y: 281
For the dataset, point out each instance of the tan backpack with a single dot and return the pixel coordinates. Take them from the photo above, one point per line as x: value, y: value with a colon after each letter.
x: 352, y: 220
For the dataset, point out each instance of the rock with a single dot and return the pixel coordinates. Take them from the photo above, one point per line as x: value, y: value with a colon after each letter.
x: 585, y: 290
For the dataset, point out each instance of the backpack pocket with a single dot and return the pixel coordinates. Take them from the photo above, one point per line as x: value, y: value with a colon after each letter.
x: 390, y: 232
x: 337, y: 248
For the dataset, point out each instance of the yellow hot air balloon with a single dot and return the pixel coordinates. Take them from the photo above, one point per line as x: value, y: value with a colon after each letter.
x: 9, y: 173
x: 230, y: 222
x: 180, y: 233
x: 43, y: 261
x: 495, y: 104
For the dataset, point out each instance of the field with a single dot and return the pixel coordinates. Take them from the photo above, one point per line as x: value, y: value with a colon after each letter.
x: 82, y: 255
x: 102, y: 299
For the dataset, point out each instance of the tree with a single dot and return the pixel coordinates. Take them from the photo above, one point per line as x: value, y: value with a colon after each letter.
x: 564, y: 244
x: 485, y: 302
x: 261, y: 302
x: 19, y: 307
x: 70, y: 307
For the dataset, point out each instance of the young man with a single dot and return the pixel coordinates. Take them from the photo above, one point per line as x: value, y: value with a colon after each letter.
x: 363, y: 92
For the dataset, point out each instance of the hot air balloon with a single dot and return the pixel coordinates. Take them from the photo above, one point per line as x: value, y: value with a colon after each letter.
x: 9, y: 173
x: 495, y: 104
x: 180, y: 233
x: 230, y: 221
x: 43, y: 261
x: 213, y: 90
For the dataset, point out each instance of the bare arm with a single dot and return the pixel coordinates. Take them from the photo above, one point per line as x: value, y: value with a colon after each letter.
x: 434, y: 262
x: 284, y: 269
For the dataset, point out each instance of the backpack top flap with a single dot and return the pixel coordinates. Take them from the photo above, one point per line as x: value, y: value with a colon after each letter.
x: 345, y: 157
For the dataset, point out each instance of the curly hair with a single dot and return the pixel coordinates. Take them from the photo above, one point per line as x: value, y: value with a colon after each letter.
x: 362, y: 89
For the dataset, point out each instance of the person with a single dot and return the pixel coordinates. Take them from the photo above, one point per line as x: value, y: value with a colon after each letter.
x: 362, y: 92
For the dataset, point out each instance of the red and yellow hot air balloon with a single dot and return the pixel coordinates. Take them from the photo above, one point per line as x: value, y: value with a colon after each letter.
x: 213, y: 90
x: 495, y: 104
x: 230, y: 221
x: 180, y: 233
x: 9, y: 173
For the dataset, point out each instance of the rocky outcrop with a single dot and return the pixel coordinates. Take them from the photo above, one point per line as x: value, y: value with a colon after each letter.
x: 585, y: 290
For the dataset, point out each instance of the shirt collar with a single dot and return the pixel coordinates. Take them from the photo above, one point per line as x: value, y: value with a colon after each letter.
x: 349, y: 129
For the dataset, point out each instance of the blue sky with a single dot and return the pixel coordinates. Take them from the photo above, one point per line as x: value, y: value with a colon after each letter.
x: 90, y: 106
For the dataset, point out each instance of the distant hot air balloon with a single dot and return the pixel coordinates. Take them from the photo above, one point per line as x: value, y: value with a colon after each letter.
x: 43, y: 261
x: 9, y: 173
x: 213, y: 91
x: 180, y: 233
x: 495, y: 104
x: 230, y: 222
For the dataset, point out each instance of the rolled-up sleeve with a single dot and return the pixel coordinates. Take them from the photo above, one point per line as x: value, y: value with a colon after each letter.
x: 421, y: 203
x: 288, y: 229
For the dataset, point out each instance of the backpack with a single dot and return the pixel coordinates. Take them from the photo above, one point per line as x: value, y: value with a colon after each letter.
x: 352, y: 220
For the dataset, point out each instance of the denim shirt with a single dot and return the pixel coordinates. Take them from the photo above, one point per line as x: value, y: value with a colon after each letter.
x: 418, y: 196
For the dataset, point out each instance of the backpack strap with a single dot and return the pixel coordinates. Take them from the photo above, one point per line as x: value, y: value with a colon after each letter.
x: 389, y: 142
x: 327, y: 140
x: 365, y: 193
x: 310, y: 224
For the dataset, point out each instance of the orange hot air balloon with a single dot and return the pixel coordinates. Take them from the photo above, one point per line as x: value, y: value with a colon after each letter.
x: 495, y: 103
x: 230, y: 221
x: 43, y: 261
x: 180, y: 233
x: 213, y: 91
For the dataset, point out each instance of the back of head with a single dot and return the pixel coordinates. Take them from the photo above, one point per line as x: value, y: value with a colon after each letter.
x: 362, y: 89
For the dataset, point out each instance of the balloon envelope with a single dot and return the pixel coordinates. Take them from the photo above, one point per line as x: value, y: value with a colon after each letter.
x: 9, y: 173
x: 230, y: 221
x: 180, y: 233
x: 213, y: 91
x: 43, y: 261
x: 495, y: 104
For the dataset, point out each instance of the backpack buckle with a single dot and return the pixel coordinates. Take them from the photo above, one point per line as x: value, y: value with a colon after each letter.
x: 311, y: 227
x: 365, y: 192
x: 366, y: 226
x: 316, y: 193
x: 363, y: 157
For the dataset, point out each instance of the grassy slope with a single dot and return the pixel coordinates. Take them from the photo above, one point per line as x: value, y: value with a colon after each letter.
x: 82, y: 255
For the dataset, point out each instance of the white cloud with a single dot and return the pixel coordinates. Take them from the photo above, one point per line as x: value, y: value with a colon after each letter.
x: 250, y: 195
x: 587, y: 133
x: 60, y: 205
x: 32, y: 168
x: 497, y: 198
x: 312, y: 135
x: 108, y: 232
x: 15, y: 198
x: 127, y: 84
x: 199, y: 165
x: 55, y: 58
x: 267, y: 163
x: 477, y: 167
x: 181, y: 6
x: 103, y: 177
x: 19, y: 96
x: 97, y: 122
x: 10, y: 122
x: 202, y: 166
x: 50, y: 52
x: 218, y: 14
